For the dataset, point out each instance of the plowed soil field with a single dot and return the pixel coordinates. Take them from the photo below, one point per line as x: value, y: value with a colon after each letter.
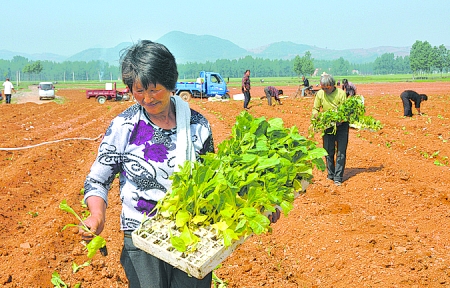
x: 388, y: 225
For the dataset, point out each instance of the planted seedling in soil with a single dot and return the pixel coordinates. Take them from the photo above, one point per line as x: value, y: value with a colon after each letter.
x: 97, y: 243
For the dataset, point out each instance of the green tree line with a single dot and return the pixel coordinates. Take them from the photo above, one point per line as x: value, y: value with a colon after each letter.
x: 20, y: 68
x: 423, y: 59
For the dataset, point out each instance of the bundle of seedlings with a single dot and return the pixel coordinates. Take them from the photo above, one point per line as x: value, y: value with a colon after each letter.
x: 261, y: 167
x: 352, y: 111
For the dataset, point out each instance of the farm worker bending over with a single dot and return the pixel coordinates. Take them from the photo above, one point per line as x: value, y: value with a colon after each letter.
x: 273, y: 92
x: 349, y: 87
x: 144, y: 145
x: 407, y: 96
x: 329, y: 97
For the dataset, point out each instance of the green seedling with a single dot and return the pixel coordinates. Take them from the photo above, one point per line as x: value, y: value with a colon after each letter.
x: 442, y: 138
x: 437, y: 163
x: 33, y: 214
x: 76, y: 267
x: 435, y: 154
x: 96, y: 243
x: 217, y: 282
x: 57, y: 282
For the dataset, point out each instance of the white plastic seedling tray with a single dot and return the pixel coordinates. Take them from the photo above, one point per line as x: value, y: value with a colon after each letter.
x: 153, y: 238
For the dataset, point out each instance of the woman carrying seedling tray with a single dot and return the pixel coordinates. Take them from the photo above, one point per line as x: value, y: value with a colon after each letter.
x: 145, y: 145
x: 334, y: 138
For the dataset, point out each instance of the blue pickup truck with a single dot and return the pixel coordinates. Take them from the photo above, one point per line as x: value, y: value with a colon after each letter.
x: 209, y: 84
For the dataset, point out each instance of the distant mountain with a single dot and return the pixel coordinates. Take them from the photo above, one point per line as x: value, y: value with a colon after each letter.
x: 202, y: 48
x: 195, y: 48
x: 110, y: 55
x: 8, y: 55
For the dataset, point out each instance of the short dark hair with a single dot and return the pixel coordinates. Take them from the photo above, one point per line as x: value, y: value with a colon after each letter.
x: 344, y: 81
x: 149, y: 63
x: 423, y: 97
x: 280, y: 92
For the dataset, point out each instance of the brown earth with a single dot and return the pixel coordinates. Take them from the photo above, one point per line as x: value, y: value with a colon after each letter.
x: 386, y: 226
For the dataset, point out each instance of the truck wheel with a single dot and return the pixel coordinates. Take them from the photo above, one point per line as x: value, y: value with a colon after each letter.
x: 186, y: 96
x: 226, y: 96
x: 101, y: 99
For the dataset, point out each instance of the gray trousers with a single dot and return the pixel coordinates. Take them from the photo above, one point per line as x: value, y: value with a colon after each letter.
x: 146, y: 271
x: 331, y: 143
x: 268, y: 96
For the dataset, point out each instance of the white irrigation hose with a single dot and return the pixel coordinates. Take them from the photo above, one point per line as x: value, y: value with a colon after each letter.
x: 49, y: 142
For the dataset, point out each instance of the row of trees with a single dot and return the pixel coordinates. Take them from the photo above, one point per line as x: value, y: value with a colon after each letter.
x: 57, y: 71
x: 389, y: 64
x: 423, y: 59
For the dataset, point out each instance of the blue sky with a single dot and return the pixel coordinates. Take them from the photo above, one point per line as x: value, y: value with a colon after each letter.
x: 68, y: 27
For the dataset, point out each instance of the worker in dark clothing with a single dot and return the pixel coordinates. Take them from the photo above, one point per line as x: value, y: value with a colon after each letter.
x: 273, y: 92
x: 349, y: 87
x: 246, y: 88
x: 407, y: 96
x: 305, y: 85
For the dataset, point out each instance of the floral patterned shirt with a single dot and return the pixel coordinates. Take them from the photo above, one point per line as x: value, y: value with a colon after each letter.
x: 144, y: 157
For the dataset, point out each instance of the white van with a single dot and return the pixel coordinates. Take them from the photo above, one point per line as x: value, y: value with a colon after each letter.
x: 46, y: 90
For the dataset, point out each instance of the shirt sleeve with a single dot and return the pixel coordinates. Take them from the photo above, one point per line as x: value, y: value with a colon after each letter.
x: 108, y: 162
x: 317, y: 103
x: 417, y: 103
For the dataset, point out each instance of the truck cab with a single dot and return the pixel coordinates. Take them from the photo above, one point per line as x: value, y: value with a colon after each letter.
x: 209, y: 84
x: 214, y: 84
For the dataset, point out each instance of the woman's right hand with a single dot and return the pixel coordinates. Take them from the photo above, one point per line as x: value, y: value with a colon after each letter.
x: 96, y: 221
x: 95, y: 225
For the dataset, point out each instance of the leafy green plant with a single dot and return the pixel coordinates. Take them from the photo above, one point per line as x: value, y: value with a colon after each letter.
x: 217, y: 282
x: 368, y: 123
x: 435, y: 154
x: 257, y: 169
x: 59, y: 283
x: 76, y: 267
x: 352, y: 111
x: 96, y: 243
x: 33, y: 214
